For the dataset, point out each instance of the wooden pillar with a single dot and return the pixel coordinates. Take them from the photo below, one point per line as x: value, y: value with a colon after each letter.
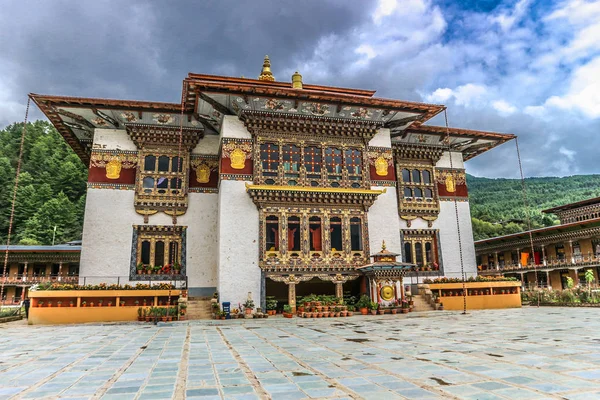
x: 25, y: 268
x: 544, y: 255
x: 496, y: 262
x: 60, y: 270
x: 571, y: 250
x: 292, y: 295
x: 547, y: 278
x: 519, y: 258
x: 339, y: 290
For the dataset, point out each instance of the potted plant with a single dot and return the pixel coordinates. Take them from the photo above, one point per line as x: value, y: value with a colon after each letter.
x: 350, y: 311
x: 40, y: 304
x: 373, y: 307
x: 271, y: 305
x: 249, y: 306
x: 394, y: 308
x: 122, y: 303
x: 49, y: 303
x: 405, y: 306
x: 59, y: 303
x: 363, y: 304
x: 100, y: 303
x: 109, y: 303
x: 140, y: 311
x: 147, y: 314
x: 140, y: 268
x: 441, y: 307
x: 83, y: 303
x: 287, y: 311
x: 71, y: 303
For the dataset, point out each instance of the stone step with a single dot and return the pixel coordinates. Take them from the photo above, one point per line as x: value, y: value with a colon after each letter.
x: 199, y: 308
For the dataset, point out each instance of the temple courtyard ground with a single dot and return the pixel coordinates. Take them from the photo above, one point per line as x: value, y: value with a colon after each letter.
x: 528, y: 353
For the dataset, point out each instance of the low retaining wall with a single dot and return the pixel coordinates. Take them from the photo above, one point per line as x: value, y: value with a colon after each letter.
x: 45, y: 310
x: 480, y: 295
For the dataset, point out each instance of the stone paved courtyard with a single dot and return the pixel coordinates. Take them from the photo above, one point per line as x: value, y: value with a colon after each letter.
x: 524, y: 353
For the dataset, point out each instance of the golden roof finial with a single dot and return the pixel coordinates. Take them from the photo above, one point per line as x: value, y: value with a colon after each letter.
x: 383, y: 247
x: 266, y: 74
x: 296, y: 81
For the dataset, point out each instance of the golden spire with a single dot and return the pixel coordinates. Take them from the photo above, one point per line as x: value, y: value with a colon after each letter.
x: 296, y: 81
x: 266, y: 74
x: 383, y: 247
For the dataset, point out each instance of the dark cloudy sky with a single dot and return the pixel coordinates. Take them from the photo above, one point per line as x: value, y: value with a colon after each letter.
x: 521, y: 66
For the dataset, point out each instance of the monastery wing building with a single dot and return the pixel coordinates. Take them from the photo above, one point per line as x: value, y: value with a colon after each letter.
x: 252, y: 184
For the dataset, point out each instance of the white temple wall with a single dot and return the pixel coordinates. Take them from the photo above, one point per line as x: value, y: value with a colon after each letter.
x: 113, y: 139
x: 234, y: 128
x: 209, y: 144
x: 238, y: 270
x: 381, y: 139
x: 382, y: 224
x: 457, y: 160
x: 107, y: 237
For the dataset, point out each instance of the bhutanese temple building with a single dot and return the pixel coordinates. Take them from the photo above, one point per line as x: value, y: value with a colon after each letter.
x: 268, y: 187
x: 547, y: 256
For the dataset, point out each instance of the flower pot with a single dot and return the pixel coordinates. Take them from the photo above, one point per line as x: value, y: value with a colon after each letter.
x: 381, y: 312
x: 394, y: 311
x: 139, y: 272
x: 288, y: 315
x: 373, y: 312
x: 350, y: 313
x: 405, y: 311
x: 147, y: 319
x: 248, y: 311
x: 364, y: 310
x: 70, y: 305
x: 343, y: 313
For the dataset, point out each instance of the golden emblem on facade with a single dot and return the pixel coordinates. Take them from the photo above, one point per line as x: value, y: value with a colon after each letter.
x: 450, y: 184
x: 387, y: 292
x: 113, y: 168
x: 238, y: 159
x: 203, y: 173
x: 381, y: 166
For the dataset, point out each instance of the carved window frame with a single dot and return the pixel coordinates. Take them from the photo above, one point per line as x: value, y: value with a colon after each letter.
x: 341, y: 177
x: 411, y: 207
x: 283, y: 257
x: 412, y: 238
x: 169, y: 235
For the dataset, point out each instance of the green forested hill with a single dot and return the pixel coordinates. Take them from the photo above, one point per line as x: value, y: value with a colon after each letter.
x: 497, y: 204
x: 51, y: 187
x: 53, y: 183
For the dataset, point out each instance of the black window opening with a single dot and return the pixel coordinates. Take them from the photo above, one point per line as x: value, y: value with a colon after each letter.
x: 356, y: 243
x: 336, y: 234
x: 272, y: 233
x: 294, y: 233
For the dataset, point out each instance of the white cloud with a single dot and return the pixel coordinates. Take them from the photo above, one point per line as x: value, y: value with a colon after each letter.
x: 570, y: 154
x: 584, y: 91
x: 503, y: 107
x: 509, y: 19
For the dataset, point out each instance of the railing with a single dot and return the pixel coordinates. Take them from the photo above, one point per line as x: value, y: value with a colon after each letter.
x: 33, y: 279
x: 11, y: 301
x: 578, y: 260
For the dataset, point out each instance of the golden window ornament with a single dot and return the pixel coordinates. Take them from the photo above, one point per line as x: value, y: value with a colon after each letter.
x: 203, y: 173
x: 113, y: 168
x: 238, y: 159
x: 450, y: 184
x: 381, y: 166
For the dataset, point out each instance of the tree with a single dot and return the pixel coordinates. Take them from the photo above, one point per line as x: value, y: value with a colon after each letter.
x: 58, y: 212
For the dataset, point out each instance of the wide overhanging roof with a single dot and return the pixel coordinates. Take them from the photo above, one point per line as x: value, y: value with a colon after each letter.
x: 469, y: 142
x: 571, y: 206
x: 208, y: 98
x: 539, y: 233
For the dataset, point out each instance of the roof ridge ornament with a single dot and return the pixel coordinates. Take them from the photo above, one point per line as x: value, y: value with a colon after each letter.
x: 297, y: 80
x: 266, y: 74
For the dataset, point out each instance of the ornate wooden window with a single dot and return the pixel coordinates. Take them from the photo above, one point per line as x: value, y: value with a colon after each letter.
x: 269, y: 155
x: 417, y: 191
x: 421, y: 248
x: 334, y: 164
x: 417, y: 184
x: 272, y: 234
x: 161, y: 175
x: 313, y: 159
x: 158, y: 246
x: 315, y: 238
x: 353, y: 162
x: 294, y: 162
x: 356, y: 243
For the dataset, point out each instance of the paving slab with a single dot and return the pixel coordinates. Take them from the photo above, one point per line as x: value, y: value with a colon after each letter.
x: 489, y: 354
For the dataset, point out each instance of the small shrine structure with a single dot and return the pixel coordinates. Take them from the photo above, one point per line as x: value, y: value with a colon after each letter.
x: 385, y: 276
